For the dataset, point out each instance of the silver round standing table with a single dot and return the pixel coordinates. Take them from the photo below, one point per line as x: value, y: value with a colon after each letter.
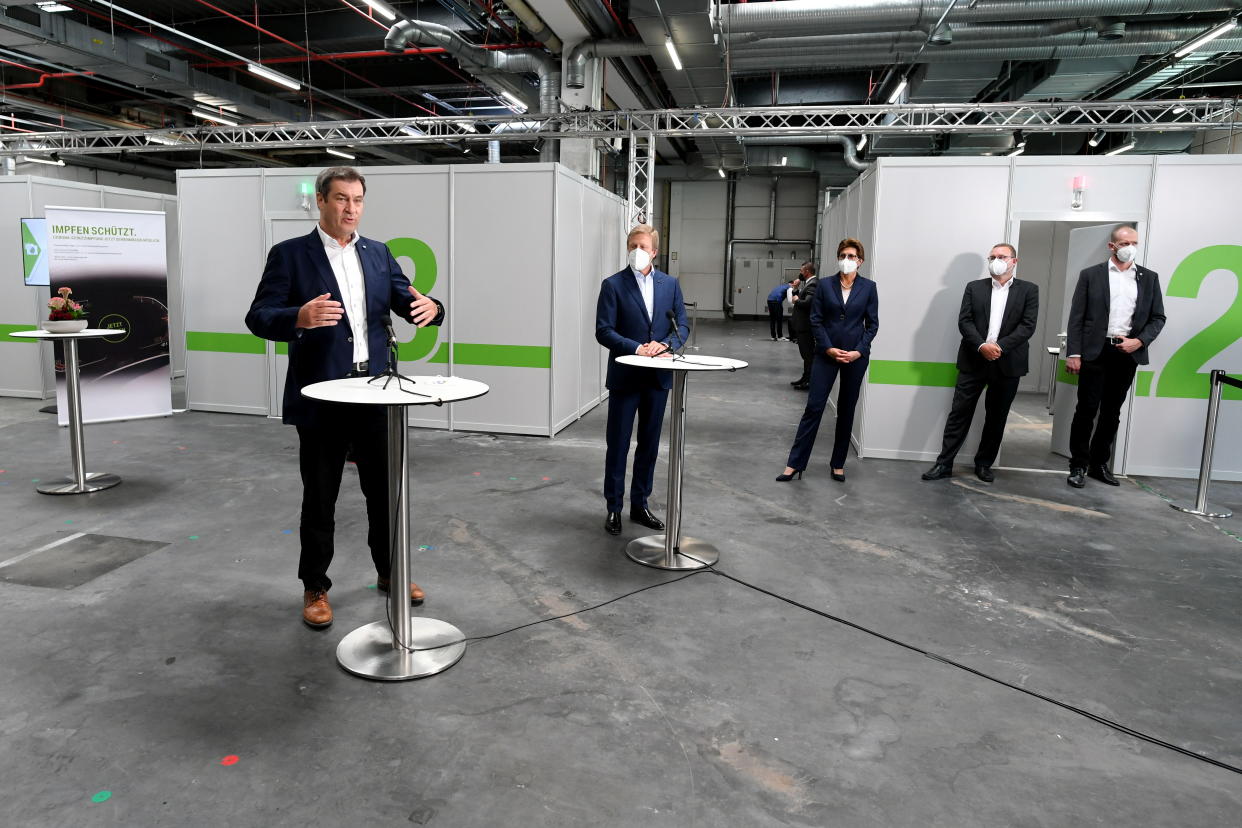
x: 406, y: 648
x: 82, y: 482
x: 670, y: 550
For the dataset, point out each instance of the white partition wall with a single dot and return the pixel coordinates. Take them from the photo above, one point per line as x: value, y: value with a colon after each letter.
x: 934, y: 221
x: 26, y: 365
x: 516, y: 253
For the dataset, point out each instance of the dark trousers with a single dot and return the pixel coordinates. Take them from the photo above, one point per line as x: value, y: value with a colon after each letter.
x: 806, y: 348
x: 823, y: 374
x: 970, y: 385
x: 1103, y: 383
x: 776, y: 319
x: 648, y: 405
x: 322, y: 447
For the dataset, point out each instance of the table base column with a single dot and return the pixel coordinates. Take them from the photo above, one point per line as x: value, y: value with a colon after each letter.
x: 94, y: 482
x: 691, y: 553
x: 368, y: 650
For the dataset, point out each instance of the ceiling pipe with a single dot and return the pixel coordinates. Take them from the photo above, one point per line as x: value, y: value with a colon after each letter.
x: 535, y: 26
x: 818, y: 58
x: 480, y: 62
x: 849, y: 149
x: 846, y: 16
x: 576, y: 60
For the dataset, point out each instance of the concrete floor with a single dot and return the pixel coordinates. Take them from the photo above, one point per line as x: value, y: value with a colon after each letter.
x: 697, y: 703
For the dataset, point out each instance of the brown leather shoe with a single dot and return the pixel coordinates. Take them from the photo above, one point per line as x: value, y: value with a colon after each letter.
x: 416, y: 592
x: 316, y: 611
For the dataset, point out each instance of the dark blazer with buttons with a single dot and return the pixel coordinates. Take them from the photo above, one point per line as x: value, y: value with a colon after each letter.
x: 622, y: 324
x: 1017, y: 326
x: 1087, y: 330
x: 297, y: 271
x: 849, y: 326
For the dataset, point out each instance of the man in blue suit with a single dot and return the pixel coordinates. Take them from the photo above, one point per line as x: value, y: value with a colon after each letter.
x: 640, y: 311
x: 328, y: 294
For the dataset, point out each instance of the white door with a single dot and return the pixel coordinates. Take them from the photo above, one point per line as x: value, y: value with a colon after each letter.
x: 1087, y: 246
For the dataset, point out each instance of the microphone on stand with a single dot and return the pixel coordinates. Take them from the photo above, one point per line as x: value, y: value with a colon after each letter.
x: 674, y: 330
x: 392, y: 344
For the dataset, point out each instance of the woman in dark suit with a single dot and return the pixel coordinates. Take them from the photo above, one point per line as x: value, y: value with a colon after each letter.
x: 845, y: 315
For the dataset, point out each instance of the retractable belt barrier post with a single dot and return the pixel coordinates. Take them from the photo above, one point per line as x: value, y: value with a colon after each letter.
x: 1201, y: 506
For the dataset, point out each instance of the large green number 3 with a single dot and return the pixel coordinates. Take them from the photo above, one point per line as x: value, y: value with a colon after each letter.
x: 423, y: 258
x: 1181, y: 377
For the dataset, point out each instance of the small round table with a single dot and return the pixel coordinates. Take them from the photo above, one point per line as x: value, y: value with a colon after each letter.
x: 669, y: 550
x: 82, y: 482
x: 408, y: 648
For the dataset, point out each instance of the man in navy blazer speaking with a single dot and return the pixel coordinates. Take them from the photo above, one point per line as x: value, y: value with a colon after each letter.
x: 640, y: 311
x: 328, y: 294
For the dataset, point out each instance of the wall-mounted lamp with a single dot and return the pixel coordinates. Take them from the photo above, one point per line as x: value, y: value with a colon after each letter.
x: 1080, y: 186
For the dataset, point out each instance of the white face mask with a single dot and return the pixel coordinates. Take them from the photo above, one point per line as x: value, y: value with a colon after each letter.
x: 1126, y: 254
x: 639, y: 259
x: 847, y: 266
x: 997, y: 267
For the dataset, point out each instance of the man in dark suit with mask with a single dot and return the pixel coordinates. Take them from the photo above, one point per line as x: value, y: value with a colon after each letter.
x: 1116, y: 313
x: 800, y: 322
x: 997, y: 320
x: 328, y: 294
x: 632, y: 317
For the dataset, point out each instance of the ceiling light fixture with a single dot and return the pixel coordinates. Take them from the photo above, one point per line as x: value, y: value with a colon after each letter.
x: 1207, y: 37
x: 672, y: 52
x: 1095, y: 139
x: 1018, y: 150
x: 51, y: 161
x: 53, y: 7
x: 411, y: 130
x: 721, y: 171
x: 382, y: 9
x: 274, y: 77
x: 209, y: 115
x: 339, y: 153
x: 166, y: 140
x: 1126, y: 147
x: 514, y: 102
x: 901, y: 87
x: 862, y: 142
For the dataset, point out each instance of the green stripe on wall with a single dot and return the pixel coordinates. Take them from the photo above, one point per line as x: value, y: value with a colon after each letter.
x: 506, y: 356
x: 898, y: 372
x: 224, y: 343
x: 462, y: 353
x: 5, y: 330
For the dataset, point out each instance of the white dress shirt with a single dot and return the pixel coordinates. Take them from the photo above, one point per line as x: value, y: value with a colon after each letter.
x: 1000, y: 297
x: 646, y: 286
x: 1122, y: 297
x: 845, y: 295
x: 349, y: 280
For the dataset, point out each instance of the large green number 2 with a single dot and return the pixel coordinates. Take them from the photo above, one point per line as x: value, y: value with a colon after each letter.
x: 1181, y: 377
x: 423, y: 258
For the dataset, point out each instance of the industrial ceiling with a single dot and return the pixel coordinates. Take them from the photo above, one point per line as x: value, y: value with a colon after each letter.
x: 90, y: 65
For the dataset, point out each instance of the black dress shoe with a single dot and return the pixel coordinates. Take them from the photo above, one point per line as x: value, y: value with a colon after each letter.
x: 838, y: 476
x: 1077, y: 477
x: 645, y: 517
x: 984, y: 473
x: 938, y: 472
x: 802, y: 386
x: 612, y: 524
x: 1102, y: 474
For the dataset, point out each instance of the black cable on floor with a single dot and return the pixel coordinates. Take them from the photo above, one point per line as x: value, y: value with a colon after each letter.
x: 708, y: 568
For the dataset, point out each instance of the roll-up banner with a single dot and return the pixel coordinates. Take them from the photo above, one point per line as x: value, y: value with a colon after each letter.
x: 116, y: 261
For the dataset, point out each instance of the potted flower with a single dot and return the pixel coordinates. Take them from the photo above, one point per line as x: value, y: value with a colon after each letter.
x: 64, y: 314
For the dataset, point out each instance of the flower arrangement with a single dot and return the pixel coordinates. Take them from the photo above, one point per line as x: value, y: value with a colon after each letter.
x: 62, y: 308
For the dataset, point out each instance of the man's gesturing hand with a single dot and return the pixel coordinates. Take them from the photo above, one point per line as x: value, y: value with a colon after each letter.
x: 422, y: 309
x: 319, y: 312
